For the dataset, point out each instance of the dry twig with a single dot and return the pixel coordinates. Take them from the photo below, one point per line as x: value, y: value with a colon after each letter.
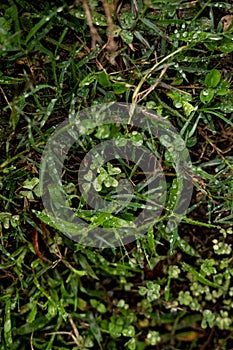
x: 111, y: 45
x: 94, y: 34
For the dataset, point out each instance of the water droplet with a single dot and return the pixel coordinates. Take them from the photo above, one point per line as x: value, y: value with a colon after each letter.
x: 178, y: 104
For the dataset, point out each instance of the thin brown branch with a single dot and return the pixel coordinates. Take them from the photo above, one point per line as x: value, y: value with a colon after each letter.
x: 152, y: 87
x: 36, y: 246
x: 67, y: 333
x: 94, y: 34
x: 111, y: 46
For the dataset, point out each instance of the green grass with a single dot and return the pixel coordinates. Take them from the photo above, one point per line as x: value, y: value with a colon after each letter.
x: 165, y: 290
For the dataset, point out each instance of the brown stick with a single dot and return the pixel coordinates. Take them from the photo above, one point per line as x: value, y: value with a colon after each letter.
x: 94, y: 34
x: 36, y: 246
x: 111, y: 45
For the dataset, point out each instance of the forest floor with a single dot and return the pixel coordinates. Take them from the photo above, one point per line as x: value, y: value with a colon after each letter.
x: 103, y: 284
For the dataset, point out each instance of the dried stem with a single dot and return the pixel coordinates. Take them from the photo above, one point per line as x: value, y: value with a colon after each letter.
x: 94, y: 34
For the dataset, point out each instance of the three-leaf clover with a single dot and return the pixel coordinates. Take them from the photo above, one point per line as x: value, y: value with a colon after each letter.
x: 31, y: 188
x: 208, y: 318
x: 106, y: 178
x: 152, y: 290
x: 185, y: 298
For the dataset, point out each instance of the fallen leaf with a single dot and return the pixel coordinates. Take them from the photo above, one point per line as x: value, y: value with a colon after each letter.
x: 226, y: 20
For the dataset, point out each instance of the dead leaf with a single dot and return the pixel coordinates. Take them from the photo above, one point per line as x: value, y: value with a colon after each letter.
x: 226, y: 20
x: 188, y: 336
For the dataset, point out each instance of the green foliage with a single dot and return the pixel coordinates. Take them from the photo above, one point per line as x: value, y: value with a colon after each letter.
x: 214, y: 86
x: 151, y: 290
x: 106, y: 177
x: 175, y: 58
x: 182, y: 100
x: 7, y: 220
